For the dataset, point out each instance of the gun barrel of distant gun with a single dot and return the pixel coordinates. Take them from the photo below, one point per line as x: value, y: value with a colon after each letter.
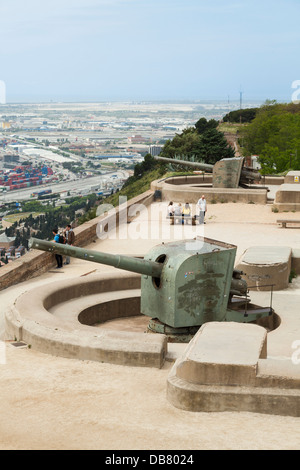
x: 197, y: 165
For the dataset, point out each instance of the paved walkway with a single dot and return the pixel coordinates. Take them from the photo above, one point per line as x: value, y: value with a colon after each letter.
x: 55, y: 403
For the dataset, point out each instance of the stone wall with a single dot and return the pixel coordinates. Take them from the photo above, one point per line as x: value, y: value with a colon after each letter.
x: 35, y: 263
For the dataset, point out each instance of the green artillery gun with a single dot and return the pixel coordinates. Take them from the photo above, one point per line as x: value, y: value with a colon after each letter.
x: 184, y: 283
x: 227, y: 173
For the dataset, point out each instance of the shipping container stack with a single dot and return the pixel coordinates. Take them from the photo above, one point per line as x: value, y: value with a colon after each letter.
x: 24, y: 177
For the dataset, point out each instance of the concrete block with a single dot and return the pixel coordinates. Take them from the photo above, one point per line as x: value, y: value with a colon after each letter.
x: 292, y: 177
x: 265, y: 266
x: 287, y: 198
x: 223, y: 354
x: 225, y: 368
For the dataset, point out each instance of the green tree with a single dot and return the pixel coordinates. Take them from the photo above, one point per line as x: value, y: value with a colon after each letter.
x: 241, y: 115
x: 188, y: 143
x: 202, y: 125
x: 274, y: 135
x: 17, y: 241
x: 140, y: 169
x: 203, y: 143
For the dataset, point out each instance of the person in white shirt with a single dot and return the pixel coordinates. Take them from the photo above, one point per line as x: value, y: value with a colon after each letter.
x: 202, y: 206
x: 170, y: 210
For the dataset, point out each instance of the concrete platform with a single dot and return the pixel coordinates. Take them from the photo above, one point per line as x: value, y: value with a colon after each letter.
x: 225, y: 367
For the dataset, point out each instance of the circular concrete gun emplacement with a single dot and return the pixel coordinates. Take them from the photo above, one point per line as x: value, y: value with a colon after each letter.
x: 97, y: 318
x: 59, y: 319
x: 229, y: 181
x: 181, y: 285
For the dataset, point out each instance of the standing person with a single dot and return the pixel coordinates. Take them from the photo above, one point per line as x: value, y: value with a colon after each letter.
x: 202, y: 206
x: 59, y: 258
x: 170, y: 210
x: 70, y: 239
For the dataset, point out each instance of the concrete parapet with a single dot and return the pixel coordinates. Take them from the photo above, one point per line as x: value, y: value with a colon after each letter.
x: 266, y: 266
x: 225, y: 368
x: 31, y: 265
x: 292, y: 177
x: 189, y: 189
x: 296, y: 260
x: 287, y: 198
x: 272, y: 180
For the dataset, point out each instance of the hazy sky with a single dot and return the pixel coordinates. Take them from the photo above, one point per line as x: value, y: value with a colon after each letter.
x: 149, y: 49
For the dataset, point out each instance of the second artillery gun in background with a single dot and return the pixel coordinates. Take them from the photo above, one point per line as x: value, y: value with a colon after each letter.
x: 227, y: 173
x: 184, y: 283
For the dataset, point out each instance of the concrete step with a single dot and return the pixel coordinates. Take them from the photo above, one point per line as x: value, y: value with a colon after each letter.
x: 225, y: 368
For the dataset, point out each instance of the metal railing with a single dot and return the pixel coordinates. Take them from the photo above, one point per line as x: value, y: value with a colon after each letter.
x: 263, y: 309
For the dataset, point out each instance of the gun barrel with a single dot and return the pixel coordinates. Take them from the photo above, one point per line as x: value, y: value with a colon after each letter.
x: 136, y: 265
x: 198, y: 165
x: 249, y: 174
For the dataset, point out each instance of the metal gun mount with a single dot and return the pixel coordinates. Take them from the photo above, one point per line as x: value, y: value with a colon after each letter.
x: 227, y: 173
x: 184, y: 283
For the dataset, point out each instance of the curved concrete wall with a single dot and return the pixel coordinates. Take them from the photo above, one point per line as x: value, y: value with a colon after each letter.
x: 31, y: 319
x: 190, y: 188
x: 59, y: 293
x: 117, y: 308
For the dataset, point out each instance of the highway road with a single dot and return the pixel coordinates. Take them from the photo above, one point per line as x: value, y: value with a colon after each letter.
x: 69, y: 185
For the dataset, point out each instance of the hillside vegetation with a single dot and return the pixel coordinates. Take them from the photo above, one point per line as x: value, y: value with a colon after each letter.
x: 274, y: 135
